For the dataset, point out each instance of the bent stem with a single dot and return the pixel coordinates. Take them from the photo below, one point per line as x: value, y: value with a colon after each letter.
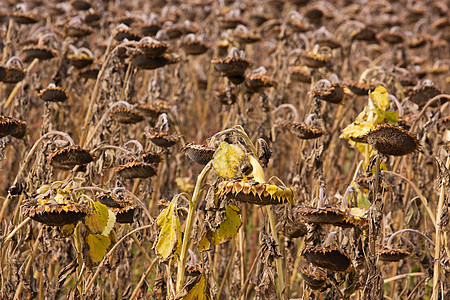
x: 188, y: 227
x: 389, y: 242
x: 278, y: 263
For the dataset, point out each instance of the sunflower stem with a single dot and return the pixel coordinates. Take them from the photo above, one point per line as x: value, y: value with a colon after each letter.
x: 437, y: 248
x: 188, y: 227
x: 278, y: 263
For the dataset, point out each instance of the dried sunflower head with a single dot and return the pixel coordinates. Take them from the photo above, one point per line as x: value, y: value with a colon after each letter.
x: 315, y: 280
x: 330, y: 257
x: 53, y: 94
x: 56, y: 214
x: 254, y: 192
x: 201, y: 154
x: 70, y: 156
x: 126, y: 116
x: 136, y: 169
x: 391, y: 140
x: 388, y: 254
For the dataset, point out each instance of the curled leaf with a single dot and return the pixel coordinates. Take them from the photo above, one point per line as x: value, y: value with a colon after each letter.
x: 97, y: 247
x: 380, y: 97
x: 226, y: 230
x: 169, y: 239
x: 101, y: 220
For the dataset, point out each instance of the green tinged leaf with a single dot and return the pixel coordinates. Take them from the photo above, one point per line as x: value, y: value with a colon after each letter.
x: 169, y: 238
x: 101, y: 220
x: 200, y: 291
x: 227, y: 160
x: 97, y: 247
x: 363, y: 201
x: 380, y: 97
x: 226, y: 230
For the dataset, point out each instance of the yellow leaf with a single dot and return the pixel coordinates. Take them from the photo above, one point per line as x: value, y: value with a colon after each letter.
x: 204, y: 243
x: 257, y: 172
x: 380, y: 97
x: 226, y: 230
x: 101, y: 220
x: 43, y: 189
x: 67, y: 230
x: 170, y: 234
x: 227, y: 160
x: 186, y: 184
x: 356, y: 130
x: 200, y: 291
x: 97, y: 247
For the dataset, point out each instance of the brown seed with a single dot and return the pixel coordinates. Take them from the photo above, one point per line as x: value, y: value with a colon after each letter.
x: 328, y: 42
x: 80, y: 61
x: 254, y: 192
x: 80, y: 4
x: 201, y: 154
x: 364, y: 34
x: 391, y: 37
x: 77, y: 31
x: 154, y: 48
x: 136, y: 169
x: 334, y: 94
x: 154, y: 108
x: 2, y: 73
x: 39, y: 52
x: 124, y: 215
x: 321, y: 215
x: 256, y: 82
x: 162, y: 139
x: 297, y: 26
x: 108, y: 199
x: 247, y: 38
x: 313, y: 60
x: 360, y: 88
x: 8, y: 125
x: 303, y: 131
x: 24, y: 18
x: 126, y: 116
x: 53, y: 214
x: 147, y: 29
x: 69, y: 157
x: 329, y: 257
x: 387, y: 254
x: 151, y: 157
x: 300, y: 74
x: 195, y: 47
x: 20, y: 131
x: 421, y: 95
x: 89, y: 72
x: 392, y: 140
x: 143, y: 61
x: 315, y: 280
x: 14, y: 74
x: 128, y: 34
x: 229, y: 22
x: 53, y: 94
x: 233, y: 66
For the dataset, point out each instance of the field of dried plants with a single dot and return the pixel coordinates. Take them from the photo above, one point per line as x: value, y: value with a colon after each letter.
x: 199, y: 149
